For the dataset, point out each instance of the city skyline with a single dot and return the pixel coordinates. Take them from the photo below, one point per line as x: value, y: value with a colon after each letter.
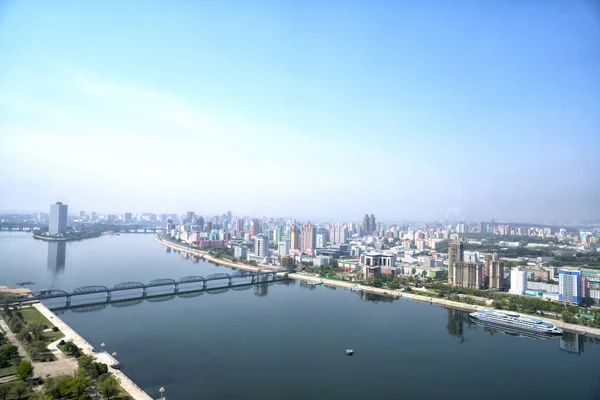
x: 487, y: 109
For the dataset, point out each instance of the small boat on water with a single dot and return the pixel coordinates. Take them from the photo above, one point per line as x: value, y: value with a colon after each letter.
x: 315, y: 282
x: 355, y: 289
x: 25, y: 283
x: 349, y: 352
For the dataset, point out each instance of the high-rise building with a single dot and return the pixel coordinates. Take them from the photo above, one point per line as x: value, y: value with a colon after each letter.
x: 200, y: 223
x: 58, y: 218
x: 518, y: 281
x: 321, y: 240
x: 209, y: 226
x: 94, y: 215
x: 340, y: 234
x: 455, y: 255
x: 261, y: 246
x: 367, y: 225
x: 81, y: 214
x: 128, y: 217
x: 372, y: 224
x: 255, y: 227
x: 294, y: 239
x: 308, y: 237
x: 239, y: 226
x: 569, y: 285
x: 283, y: 248
x: 189, y: 216
x: 277, y: 234
x: 169, y: 224
x: 495, y: 271
x: 467, y: 275
x: 585, y: 290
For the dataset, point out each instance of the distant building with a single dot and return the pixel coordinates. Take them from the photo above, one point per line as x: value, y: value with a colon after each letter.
x: 128, y: 217
x: 239, y: 225
x: 321, y: 240
x: 367, y: 225
x: 283, y: 248
x: 495, y: 272
x: 308, y: 240
x: 255, y: 227
x: 58, y: 219
x: 240, y: 251
x: 455, y: 255
x: 295, y: 239
x: 277, y: 234
x: 261, y: 246
x: 340, y: 234
x: 467, y: 275
x: 200, y: 223
x: 569, y: 285
x: 518, y: 281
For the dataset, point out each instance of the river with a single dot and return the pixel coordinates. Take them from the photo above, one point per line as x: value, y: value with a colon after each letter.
x: 288, y: 341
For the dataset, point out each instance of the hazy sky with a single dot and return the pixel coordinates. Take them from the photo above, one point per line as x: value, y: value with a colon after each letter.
x: 404, y: 109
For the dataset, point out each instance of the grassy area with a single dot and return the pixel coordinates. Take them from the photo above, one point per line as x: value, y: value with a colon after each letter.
x: 32, y: 316
x: 8, y: 371
x: 54, y: 336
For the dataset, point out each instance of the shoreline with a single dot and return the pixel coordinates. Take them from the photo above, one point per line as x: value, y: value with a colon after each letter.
x: 104, y: 357
x: 59, y: 239
x: 386, y: 292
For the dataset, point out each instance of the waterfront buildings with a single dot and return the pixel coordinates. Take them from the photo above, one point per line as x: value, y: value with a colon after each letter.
x: 240, y: 251
x: 518, y: 281
x: 58, y: 219
x: 569, y: 285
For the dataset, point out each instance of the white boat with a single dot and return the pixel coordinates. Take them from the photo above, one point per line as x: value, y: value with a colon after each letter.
x: 349, y: 352
x: 315, y: 282
x: 516, y: 321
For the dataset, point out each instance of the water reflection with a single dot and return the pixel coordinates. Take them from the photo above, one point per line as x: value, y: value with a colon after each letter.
x: 57, y: 252
x: 261, y: 290
x: 456, y: 323
x: 571, y: 342
x: 375, y: 298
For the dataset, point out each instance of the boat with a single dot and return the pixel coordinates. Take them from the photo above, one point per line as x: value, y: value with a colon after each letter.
x: 356, y: 289
x: 349, y: 352
x: 315, y: 282
x: 510, y: 331
x: 516, y: 321
x: 25, y: 283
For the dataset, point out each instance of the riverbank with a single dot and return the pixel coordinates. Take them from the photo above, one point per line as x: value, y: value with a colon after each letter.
x: 370, y: 289
x: 71, y: 336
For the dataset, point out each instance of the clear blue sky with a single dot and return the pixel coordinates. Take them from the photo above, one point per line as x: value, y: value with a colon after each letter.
x: 326, y: 109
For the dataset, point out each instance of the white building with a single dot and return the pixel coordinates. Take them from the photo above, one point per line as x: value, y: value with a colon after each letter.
x: 283, y: 248
x: 518, y: 281
x: 261, y: 246
x: 239, y: 252
x: 58, y: 219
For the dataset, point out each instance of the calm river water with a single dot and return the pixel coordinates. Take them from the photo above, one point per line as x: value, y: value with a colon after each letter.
x: 288, y: 341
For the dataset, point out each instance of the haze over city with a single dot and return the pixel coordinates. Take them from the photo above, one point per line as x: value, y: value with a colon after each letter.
x: 324, y: 110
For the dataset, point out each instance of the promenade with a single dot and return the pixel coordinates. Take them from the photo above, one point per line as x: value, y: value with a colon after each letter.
x: 70, y: 335
x: 370, y: 289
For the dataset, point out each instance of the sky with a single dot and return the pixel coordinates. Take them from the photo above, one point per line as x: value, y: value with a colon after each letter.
x: 316, y: 110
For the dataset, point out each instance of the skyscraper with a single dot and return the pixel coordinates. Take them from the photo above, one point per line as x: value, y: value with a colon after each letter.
x: 455, y: 255
x: 495, y: 271
x: 283, y: 248
x: 466, y: 274
x: 569, y: 285
x: 308, y: 237
x: 294, y: 239
x: 277, y: 233
x: 255, y: 227
x: 518, y: 281
x: 200, y: 223
x: 58, y: 218
x: 261, y: 246
x: 372, y: 224
x: 367, y: 225
x: 239, y: 226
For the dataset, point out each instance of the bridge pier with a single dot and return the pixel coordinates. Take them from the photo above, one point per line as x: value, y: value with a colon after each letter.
x: 176, y: 288
x: 108, y: 296
x: 144, y: 292
x: 204, y: 285
x: 68, y: 302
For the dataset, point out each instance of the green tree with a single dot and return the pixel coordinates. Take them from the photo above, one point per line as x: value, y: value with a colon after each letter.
x: 19, y: 389
x: 413, y: 271
x: 37, y: 330
x: 108, y: 387
x: 5, y: 390
x: 24, y: 370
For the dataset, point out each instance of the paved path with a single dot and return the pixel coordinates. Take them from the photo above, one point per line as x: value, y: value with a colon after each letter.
x: 70, y: 335
x: 12, y: 339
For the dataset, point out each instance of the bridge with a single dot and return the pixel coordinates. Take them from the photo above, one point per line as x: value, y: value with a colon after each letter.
x: 157, y: 298
x: 125, y: 228
x: 176, y: 284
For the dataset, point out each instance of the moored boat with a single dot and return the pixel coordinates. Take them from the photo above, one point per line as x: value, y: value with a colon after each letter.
x: 515, y: 321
